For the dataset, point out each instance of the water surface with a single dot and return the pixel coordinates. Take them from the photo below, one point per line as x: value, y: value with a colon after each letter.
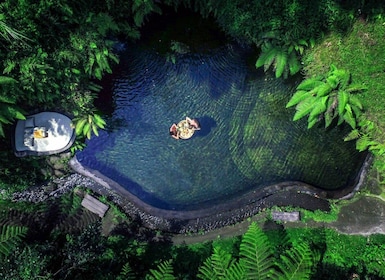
x: 248, y: 139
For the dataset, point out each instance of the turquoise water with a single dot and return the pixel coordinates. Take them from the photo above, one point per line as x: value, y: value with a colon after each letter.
x: 248, y: 139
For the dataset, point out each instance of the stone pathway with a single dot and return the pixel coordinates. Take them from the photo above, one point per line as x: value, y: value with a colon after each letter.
x: 364, y: 216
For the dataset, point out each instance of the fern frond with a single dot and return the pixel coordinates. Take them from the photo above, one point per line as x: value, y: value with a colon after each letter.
x: 7, y: 99
x: 206, y: 271
x: 126, y: 273
x: 267, y: 57
x: 15, y: 113
x: 236, y: 271
x: 332, y: 81
x: 70, y: 203
x: 296, y: 263
x: 354, y: 101
x: 220, y: 262
x: 354, y: 134
x: 309, y: 84
x: 323, y: 89
x: 342, y: 75
x: 215, y: 267
x: 142, y: 8
x: 256, y: 254
x: 164, y: 271
x: 304, y: 108
x: 297, y: 97
x: 312, y: 120
x: 6, y: 80
x: 280, y: 63
x: 294, y: 64
x: 356, y: 88
x: 319, y: 107
x: 10, y: 237
x: 343, y: 98
x: 348, y: 116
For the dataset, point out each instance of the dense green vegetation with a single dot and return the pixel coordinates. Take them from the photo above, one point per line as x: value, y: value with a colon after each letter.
x: 54, y: 53
x: 58, y: 239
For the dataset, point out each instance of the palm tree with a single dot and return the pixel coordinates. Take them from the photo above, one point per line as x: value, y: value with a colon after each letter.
x: 327, y: 98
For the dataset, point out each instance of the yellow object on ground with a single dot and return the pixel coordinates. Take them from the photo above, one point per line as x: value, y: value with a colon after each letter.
x: 39, y: 132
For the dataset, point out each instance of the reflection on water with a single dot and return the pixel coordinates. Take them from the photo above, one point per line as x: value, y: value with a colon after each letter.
x: 248, y: 139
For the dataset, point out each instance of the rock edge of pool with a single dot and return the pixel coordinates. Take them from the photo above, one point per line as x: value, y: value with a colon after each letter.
x: 291, y: 193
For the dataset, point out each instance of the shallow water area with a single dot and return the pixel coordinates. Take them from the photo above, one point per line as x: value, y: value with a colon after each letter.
x: 248, y: 139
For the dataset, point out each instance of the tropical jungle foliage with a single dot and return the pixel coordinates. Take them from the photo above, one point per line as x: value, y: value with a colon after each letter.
x: 54, y: 54
x: 326, y: 98
x: 58, y: 239
x: 257, y: 261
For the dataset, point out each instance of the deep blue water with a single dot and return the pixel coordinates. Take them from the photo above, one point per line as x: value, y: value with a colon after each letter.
x: 248, y: 139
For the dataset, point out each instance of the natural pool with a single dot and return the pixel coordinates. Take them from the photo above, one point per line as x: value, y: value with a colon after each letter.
x: 248, y: 139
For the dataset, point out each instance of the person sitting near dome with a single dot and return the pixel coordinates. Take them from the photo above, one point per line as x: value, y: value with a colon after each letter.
x: 174, y: 131
x: 193, y: 123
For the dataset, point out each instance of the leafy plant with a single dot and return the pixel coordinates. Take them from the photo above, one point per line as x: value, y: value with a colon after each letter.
x: 164, y: 271
x: 85, y: 125
x: 366, y: 138
x: 283, y: 59
x: 256, y: 252
x: 10, y: 237
x: 296, y: 263
x: 9, y: 33
x: 9, y: 111
x: 126, y: 273
x: 141, y: 9
x: 328, y: 98
x: 257, y: 261
x: 221, y: 265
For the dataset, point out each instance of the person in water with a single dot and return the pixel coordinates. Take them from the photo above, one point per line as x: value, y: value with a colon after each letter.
x: 174, y: 131
x: 193, y: 123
